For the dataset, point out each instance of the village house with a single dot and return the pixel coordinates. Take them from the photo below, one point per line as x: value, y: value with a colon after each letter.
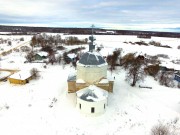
x: 21, y: 77
x: 41, y: 55
x: 71, y: 56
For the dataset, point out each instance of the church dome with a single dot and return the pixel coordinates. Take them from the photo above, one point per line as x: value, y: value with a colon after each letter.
x: 92, y: 58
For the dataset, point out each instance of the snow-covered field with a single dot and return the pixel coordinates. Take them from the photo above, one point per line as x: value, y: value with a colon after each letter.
x: 25, y: 109
x: 15, y: 42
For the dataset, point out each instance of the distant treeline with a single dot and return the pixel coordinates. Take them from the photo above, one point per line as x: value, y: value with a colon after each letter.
x: 25, y: 30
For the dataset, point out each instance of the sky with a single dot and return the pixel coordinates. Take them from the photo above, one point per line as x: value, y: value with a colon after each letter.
x: 153, y: 15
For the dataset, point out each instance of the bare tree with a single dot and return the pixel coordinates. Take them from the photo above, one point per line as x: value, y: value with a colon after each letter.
x: 126, y: 60
x: 66, y: 59
x: 160, y: 129
x: 35, y: 73
x: 33, y: 42
x: 52, y: 58
x: 135, y: 71
x: 152, y: 69
x: 113, y: 59
x: 30, y: 56
x: 59, y: 59
x: 166, y: 78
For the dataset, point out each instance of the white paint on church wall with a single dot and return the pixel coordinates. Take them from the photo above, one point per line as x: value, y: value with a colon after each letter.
x: 86, y: 106
x: 91, y: 74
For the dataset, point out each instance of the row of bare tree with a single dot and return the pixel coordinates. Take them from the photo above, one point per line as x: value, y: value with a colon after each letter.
x: 137, y: 67
x: 45, y: 40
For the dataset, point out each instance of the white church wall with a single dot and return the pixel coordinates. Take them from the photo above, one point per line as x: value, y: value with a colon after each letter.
x: 85, y: 107
x: 91, y: 74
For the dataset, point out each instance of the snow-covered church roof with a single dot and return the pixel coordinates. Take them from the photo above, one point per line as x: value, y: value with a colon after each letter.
x: 92, y: 58
x: 92, y: 94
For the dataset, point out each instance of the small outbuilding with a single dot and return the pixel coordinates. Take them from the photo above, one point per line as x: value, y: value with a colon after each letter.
x: 41, y: 55
x: 21, y: 77
x: 92, y: 100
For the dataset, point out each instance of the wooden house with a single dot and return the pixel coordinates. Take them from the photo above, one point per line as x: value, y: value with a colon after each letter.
x: 41, y: 55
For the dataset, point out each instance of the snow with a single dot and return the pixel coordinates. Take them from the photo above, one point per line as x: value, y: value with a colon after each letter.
x: 80, y: 81
x: 93, y: 92
x: 26, y: 110
x: 3, y: 74
x: 104, y: 81
x: 15, y: 42
x: 71, y: 55
x: 101, y: 65
x: 42, y: 53
x: 94, y: 53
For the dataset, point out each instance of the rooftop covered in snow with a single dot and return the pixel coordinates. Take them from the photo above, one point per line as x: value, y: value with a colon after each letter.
x: 72, y: 77
x: 21, y: 75
x: 72, y: 55
x: 42, y: 54
x: 92, y: 94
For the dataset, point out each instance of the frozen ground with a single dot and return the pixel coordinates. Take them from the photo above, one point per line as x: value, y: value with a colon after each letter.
x: 25, y: 109
x: 15, y: 40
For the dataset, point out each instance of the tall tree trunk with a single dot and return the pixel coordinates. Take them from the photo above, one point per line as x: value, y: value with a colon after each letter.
x: 134, y: 81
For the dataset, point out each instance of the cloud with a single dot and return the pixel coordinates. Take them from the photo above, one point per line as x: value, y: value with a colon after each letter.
x: 35, y: 8
x: 74, y: 13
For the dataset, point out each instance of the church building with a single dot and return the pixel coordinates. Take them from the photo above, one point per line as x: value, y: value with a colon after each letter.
x: 91, y: 83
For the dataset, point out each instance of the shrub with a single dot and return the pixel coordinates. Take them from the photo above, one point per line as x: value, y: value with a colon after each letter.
x: 141, y: 43
x: 127, y: 59
x: 35, y: 73
x: 160, y: 129
x: 155, y: 43
x: 75, y: 41
x: 112, y: 60
x: 25, y: 49
x: 153, y: 60
x: 178, y: 47
x: 4, y: 53
x: 61, y: 47
x: 152, y: 70
x: 21, y: 39
x: 9, y: 43
x: 166, y: 78
x: 178, y: 85
x: 47, y: 49
x: 30, y: 56
x: 16, y: 50
x: 66, y: 59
